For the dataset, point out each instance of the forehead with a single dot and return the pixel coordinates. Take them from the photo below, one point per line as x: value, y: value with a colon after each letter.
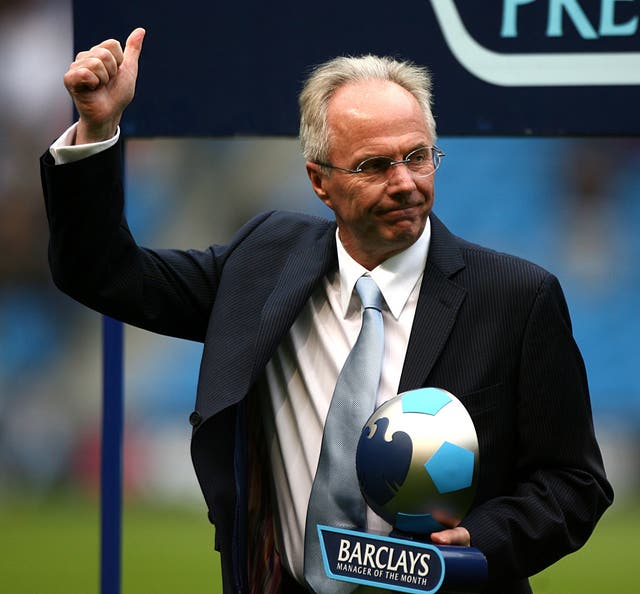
x: 375, y: 117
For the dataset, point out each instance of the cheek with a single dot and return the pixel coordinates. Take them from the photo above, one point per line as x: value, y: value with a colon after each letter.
x: 352, y: 201
x: 426, y: 188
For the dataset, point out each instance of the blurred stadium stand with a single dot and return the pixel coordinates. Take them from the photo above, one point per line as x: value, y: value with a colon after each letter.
x: 572, y: 205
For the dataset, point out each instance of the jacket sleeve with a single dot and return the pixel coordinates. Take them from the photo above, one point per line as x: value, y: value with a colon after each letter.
x: 94, y: 258
x: 560, y: 488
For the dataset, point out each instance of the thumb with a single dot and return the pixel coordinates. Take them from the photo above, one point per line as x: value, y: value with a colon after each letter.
x: 133, y: 47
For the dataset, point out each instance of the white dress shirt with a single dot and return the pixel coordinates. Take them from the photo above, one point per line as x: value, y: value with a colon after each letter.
x: 64, y: 151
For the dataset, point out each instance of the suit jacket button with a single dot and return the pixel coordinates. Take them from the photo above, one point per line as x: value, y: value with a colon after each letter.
x: 195, y: 418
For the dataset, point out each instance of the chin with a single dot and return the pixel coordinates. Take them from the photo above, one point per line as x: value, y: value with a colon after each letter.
x: 399, y: 242
x: 406, y: 231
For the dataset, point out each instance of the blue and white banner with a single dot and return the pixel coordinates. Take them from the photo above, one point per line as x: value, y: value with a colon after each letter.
x: 503, y: 67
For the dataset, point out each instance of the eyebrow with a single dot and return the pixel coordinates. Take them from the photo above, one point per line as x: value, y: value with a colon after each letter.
x: 373, y: 156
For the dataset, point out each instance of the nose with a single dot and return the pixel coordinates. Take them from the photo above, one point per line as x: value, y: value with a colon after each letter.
x: 400, y: 179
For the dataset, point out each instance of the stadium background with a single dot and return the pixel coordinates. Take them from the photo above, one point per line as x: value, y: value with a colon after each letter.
x: 572, y: 205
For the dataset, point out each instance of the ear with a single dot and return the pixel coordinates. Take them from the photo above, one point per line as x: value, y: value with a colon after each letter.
x: 318, y: 182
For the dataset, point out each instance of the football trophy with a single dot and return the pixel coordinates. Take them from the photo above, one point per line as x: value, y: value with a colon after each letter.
x: 417, y: 465
x: 417, y: 461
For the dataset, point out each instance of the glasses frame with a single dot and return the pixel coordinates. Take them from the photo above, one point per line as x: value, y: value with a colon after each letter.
x: 436, y: 156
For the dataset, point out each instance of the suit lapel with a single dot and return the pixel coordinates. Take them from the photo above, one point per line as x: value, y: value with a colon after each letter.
x: 298, y: 279
x: 438, y: 304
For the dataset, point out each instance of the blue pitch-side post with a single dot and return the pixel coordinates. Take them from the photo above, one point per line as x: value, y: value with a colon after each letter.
x: 111, y: 459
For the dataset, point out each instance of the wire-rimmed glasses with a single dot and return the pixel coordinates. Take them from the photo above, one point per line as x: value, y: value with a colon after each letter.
x: 421, y: 162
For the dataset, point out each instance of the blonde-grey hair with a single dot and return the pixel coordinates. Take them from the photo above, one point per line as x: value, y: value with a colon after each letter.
x: 327, y: 78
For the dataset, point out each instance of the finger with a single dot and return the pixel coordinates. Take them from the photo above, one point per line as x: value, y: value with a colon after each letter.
x: 133, y: 46
x: 93, y: 65
x: 444, y: 537
x: 85, y: 59
x: 99, y: 59
x: 80, y: 79
x: 108, y: 59
x: 82, y: 55
x: 455, y: 536
x: 113, y: 46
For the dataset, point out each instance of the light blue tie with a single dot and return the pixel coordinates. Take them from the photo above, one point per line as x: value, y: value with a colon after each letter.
x: 335, y: 496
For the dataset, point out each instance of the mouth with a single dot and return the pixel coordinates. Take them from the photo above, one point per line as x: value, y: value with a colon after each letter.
x: 402, y: 211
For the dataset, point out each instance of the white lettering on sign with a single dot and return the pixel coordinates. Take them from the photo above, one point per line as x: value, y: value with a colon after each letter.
x: 382, y: 557
x: 556, y: 11
x: 544, y: 69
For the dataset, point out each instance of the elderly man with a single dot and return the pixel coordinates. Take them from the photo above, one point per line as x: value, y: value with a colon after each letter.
x: 278, y: 314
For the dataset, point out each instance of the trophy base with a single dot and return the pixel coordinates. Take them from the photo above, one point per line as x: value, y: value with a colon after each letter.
x: 400, y: 564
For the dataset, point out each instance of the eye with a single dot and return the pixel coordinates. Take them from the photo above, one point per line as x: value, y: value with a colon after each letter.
x: 419, y: 155
x: 375, y: 165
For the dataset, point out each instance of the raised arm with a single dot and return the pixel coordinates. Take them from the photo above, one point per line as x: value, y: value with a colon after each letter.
x: 102, y: 82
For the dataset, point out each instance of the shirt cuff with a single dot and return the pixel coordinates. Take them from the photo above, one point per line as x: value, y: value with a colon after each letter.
x: 64, y: 151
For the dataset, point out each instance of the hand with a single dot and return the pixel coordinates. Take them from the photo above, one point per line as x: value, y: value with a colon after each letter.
x: 458, y: 536
x: 102, y: 83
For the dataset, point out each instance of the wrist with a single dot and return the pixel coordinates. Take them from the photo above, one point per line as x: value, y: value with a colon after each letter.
x: 87, y: 134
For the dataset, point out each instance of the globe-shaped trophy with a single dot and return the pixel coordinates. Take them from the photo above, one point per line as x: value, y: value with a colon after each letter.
x: 417, y: 461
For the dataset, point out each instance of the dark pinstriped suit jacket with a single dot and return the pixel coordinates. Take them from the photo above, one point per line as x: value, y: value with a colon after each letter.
x: 491, y: 328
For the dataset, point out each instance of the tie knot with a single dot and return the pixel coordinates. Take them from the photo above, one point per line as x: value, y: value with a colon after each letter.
x: 369, y: 292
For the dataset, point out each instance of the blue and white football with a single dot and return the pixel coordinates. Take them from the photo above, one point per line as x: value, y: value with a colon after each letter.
x: 417, y: 461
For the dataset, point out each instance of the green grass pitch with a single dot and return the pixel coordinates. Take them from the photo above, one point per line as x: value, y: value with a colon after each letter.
x: 51, y: 546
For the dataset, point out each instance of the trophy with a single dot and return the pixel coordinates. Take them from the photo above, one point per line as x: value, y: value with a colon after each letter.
x: 417, y: 465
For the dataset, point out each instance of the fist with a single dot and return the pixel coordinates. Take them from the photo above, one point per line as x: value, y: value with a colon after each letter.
x: 101, y: 82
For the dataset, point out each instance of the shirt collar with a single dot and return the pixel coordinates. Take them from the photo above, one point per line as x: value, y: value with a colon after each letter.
x: 396, y: 277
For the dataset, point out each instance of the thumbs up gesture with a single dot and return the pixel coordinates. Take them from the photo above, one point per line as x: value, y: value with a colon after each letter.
x: 102, y: 82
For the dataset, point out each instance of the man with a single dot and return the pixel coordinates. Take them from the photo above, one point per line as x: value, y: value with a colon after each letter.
x: 278, y: 315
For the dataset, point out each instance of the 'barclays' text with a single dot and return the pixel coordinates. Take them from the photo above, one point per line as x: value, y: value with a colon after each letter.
x: 383, y: 557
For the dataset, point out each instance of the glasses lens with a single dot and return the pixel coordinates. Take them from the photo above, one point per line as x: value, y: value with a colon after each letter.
x: 422, y: 161
x: 375, y: 168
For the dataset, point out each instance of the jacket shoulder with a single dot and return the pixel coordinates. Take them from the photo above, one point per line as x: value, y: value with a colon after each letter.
x: 476, y: 266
